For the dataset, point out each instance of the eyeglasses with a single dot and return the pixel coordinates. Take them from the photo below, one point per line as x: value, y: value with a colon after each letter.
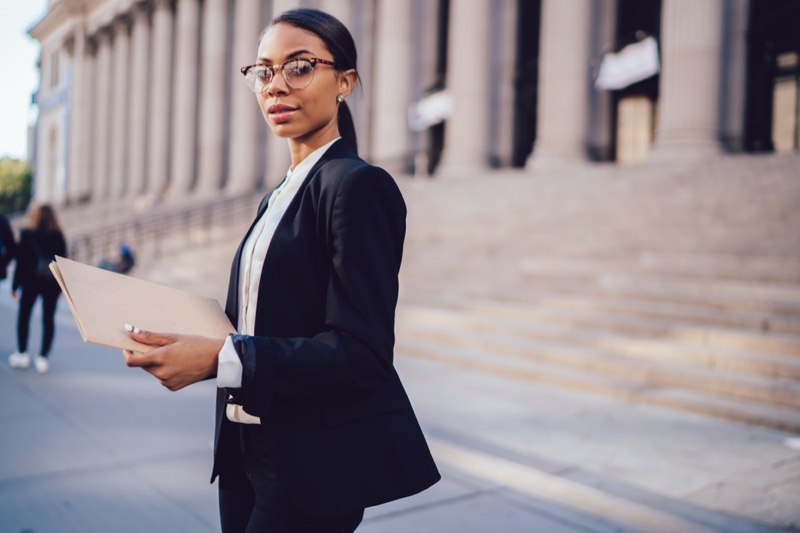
x: 298, y: 73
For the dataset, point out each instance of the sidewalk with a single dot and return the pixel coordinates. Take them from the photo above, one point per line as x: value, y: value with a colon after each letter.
x: 96, y: 447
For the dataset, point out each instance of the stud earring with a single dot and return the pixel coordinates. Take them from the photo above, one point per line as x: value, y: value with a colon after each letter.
x: 340, y: 98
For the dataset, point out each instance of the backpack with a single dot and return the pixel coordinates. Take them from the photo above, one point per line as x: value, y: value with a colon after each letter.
x: 41, y: 271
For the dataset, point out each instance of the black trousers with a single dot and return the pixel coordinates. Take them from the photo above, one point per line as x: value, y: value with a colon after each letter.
x: 251, y: 499
x: 27, y: 300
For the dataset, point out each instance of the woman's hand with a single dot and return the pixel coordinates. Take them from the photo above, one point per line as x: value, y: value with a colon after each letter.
x: 177, y: 360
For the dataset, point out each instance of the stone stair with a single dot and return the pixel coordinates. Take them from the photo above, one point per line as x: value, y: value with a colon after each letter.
x: 674, y: 286
x: 678, y: 287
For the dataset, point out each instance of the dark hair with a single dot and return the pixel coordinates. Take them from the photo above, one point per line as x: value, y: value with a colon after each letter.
x: 43, y: 218
x: 340, y: 44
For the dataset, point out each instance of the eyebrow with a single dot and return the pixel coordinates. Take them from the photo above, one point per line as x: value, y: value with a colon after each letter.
x: 290, y: 56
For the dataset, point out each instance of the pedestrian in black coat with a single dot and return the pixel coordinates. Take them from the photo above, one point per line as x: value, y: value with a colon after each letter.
x: 38, y: 245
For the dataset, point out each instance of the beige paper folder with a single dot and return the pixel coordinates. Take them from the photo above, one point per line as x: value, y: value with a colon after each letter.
x: 103, y: 302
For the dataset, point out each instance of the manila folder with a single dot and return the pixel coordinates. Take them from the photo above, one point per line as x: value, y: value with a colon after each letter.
x: 103, y: 302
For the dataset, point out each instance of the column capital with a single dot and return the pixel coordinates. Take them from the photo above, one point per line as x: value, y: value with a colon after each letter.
x: 140, y: 11
x: 69, y: 44
x: 102, y: 35
x: 123, y: 21
x: 163, y: 4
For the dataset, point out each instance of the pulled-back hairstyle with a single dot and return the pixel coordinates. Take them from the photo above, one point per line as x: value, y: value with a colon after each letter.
x: 43, y: 218
x: 341, y: 46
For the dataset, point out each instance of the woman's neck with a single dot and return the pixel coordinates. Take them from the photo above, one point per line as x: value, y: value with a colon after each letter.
x: 300, y: 148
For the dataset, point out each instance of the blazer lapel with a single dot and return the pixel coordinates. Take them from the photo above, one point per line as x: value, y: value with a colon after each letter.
x: 232, y: 303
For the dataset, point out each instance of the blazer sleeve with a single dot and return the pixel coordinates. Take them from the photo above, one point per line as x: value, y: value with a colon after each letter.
x: 355, y: 352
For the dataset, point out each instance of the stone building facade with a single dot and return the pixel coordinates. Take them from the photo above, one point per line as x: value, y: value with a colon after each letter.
x: 143, y: 98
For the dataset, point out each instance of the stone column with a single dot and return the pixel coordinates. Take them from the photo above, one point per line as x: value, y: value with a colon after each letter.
x: 599, y: 130
x: 78, y: 174
x: 140, y: 83
x: 101, y: 145
x: 735, y: 73
x: 361, y: 25
x: 466, y: 147
x: 391, y: 146
x: 185, y: 89
x: 564, y: 83
x: 339, y: 9
x: 425, y: 21
x: 213, y: 81
x: 502, y: 72
x: 688, y: 107
x: 160, y: 99
x: 120, y: 107
x: 244, y: 169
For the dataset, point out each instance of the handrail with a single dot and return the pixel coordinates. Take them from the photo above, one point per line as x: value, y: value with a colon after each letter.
x: 150, y: 234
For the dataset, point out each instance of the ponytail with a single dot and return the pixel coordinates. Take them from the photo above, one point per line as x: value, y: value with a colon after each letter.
x: 347, y: 128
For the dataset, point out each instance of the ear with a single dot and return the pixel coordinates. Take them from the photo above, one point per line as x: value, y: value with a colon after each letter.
x: 347, y: 81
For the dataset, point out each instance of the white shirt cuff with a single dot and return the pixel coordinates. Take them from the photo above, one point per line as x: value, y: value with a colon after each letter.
x: 229, y: 366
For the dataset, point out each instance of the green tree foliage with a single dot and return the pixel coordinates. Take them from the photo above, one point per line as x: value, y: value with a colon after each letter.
x: 15, y: 185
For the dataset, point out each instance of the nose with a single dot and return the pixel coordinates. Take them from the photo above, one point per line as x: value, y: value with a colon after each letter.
x: 277, y: 84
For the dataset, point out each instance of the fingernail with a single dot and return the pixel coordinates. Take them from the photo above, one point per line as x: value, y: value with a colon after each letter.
x: 131, y: 328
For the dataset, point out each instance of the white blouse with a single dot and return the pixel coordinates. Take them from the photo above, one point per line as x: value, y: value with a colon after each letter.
x: 254, y: 252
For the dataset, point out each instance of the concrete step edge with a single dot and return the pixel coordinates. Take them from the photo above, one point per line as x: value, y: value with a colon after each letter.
x: 782, y: 344
x: 746, y: 412
x: 645, y: 348
x: 768, y: 391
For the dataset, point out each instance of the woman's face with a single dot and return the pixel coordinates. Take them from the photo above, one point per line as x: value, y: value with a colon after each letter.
x: 307, y: 115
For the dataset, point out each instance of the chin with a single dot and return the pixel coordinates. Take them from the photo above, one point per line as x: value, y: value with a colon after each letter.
x: 282, y: 130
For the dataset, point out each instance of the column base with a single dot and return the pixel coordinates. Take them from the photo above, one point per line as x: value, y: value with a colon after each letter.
x: 456, y: 171
x: 394, y: 165
x: 544, y: 161
x: 670, y: 151
x: 452, y: 167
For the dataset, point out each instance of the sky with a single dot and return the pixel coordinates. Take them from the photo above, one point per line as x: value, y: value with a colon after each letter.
x: 20, y: 78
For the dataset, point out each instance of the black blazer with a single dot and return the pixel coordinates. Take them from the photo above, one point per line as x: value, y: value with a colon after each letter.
x: 336, y: 419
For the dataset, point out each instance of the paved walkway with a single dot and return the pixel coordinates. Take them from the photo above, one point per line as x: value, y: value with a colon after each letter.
x: 94, y: 446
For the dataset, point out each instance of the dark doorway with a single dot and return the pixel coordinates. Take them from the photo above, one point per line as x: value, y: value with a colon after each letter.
x: 436, y: 132
x: 526, y: 80
x: 633, y: 108
x: 773, y: 89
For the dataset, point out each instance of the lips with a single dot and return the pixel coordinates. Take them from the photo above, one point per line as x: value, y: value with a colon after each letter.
x: 280, y: 113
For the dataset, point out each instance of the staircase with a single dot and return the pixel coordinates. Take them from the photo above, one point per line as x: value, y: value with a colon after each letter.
x: 677, y: 286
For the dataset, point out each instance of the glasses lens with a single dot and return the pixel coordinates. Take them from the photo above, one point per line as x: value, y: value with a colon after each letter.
x: 298, y: 73
x: 257, y: 78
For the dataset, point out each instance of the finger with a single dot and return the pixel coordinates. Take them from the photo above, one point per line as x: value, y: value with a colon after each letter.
x: 149, y: 337
x: 138, y: 359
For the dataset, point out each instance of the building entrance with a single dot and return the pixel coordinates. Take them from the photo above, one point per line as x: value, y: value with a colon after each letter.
x: 526, y: 80
x: 773, y: 95
x: 634, y: 107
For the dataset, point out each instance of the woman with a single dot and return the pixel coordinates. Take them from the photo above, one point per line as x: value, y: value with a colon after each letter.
x: 313, y: 424
x: 37, y: 247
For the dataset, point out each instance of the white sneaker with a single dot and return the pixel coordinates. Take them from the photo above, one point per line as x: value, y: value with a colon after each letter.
x: 41, y: 363
x: 19, y: 360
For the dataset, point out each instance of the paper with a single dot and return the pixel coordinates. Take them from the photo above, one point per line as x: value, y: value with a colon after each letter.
x: 634, y: 63
x: 102, y: 302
